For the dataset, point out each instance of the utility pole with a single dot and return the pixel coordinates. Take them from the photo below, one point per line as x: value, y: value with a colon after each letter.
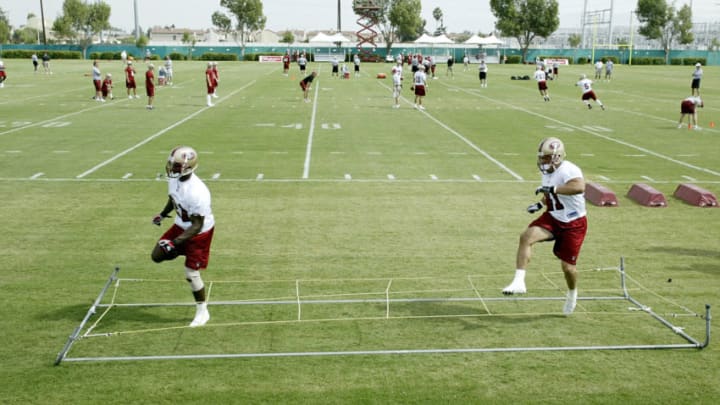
x: 42, y: 21
x: 137, y: 25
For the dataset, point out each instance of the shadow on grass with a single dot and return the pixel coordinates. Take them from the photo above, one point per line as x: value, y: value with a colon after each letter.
x: 122, y: 316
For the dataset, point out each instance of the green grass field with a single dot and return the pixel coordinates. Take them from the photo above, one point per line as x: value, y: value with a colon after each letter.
x: 347, y: 201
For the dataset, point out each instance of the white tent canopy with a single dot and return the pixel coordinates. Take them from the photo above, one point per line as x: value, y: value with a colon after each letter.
x: 489, y: 40
x: 321, y: 38
x: 338, y: 37
x: 442, y: 39
x: 424, y: 39
x: 474, y: 40
x: 439, y: 40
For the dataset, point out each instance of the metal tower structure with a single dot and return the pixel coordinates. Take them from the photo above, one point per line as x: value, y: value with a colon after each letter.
x: 368, y: 12
x: 593, y: 19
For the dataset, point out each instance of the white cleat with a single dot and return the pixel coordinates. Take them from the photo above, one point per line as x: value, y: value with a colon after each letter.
x: 516, y: 287
x: 210, y: 104
x: 215, y: 96
x: 201, y: 318
x: 570, y: 303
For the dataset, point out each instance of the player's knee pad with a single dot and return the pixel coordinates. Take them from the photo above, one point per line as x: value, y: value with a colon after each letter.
x: 193, y: 277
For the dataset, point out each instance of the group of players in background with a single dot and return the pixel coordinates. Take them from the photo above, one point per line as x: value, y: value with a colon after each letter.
x: 103, y: 87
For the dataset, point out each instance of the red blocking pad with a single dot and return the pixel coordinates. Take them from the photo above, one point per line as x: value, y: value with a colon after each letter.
x: 695, y: 195
x: 647, y: 196
x: 600, y: 195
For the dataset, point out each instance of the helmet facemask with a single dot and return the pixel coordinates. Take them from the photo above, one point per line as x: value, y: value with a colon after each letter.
x: 181, y: 162
x: 551, y: 154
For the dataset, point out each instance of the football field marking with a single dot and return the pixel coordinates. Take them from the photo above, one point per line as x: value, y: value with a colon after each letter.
x: 311, y: 133
x: 462, y: 138
x: 158, y: 134
x: 589, y: 131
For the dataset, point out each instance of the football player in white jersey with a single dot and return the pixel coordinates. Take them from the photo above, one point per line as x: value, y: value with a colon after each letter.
x: 192, y: 232
x: 419, y: 87
x: 397, y: 83
x: 588, y: 94
x: 564, y: 220
x: 541, y: 78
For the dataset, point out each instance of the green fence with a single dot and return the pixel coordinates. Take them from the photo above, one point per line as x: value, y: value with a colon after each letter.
x: 574, y: 55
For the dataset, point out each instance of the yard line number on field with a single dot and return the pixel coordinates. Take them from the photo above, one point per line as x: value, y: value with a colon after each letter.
x: 158, y: 134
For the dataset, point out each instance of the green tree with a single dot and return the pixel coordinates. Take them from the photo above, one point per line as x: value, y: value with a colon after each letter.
x: 404, y: 17
x: 574, y: 40
x: 287, y: 37
x: 662, y: 22
x: 439, y: 24
x: 25, y: 35
x: 222, y: 22
x: 5, y: 27
x: 714, y: 44
x: 189, y: 39
x: 142, y: 42
x: 80, y: 22
x: 249, y: 16
x: 526, y: 19
x: 463, y: 36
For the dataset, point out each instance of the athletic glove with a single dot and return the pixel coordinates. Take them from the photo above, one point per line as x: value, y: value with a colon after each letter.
x: 545, y: 190
x: 157, y: 219
x: 166, y: 245
x: 535, y: 207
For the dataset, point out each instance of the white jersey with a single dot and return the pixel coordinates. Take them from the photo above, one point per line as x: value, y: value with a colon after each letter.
x: 598, y: 66
x: 540, y: 76
x: 191, y: 197
x: 697, y: 74
x: 96, y: 75
x: 420, y: 78
x: 397, y: 75
x: 585, y: 85
x: 564, y: 208
x: 483, y: 68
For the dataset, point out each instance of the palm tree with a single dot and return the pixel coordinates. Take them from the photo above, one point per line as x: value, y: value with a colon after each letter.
x: 438, y: 15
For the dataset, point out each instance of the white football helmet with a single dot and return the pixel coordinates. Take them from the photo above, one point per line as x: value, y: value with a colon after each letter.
x: 555, y: 150
x: 183, y: 160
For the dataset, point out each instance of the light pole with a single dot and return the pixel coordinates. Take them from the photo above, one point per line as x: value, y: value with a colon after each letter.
x: 42, y: 21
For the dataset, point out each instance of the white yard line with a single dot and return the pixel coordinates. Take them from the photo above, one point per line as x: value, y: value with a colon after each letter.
x: 311, y: 133
x: 593, y: 133
x: 462, y: 138
x: 157, y: 134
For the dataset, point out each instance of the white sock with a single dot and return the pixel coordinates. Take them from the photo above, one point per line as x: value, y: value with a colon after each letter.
x: 519, y: 275
x: 201, y: 306
x: 572, y: 293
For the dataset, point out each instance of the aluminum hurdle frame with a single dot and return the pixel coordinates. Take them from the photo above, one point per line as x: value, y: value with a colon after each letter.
x: 692, y: 342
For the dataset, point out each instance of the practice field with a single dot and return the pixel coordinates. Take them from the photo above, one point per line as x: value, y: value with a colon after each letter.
x: 360, y: 250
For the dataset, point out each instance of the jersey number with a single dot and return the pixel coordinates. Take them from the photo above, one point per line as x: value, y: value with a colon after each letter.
x: 553, y: 202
